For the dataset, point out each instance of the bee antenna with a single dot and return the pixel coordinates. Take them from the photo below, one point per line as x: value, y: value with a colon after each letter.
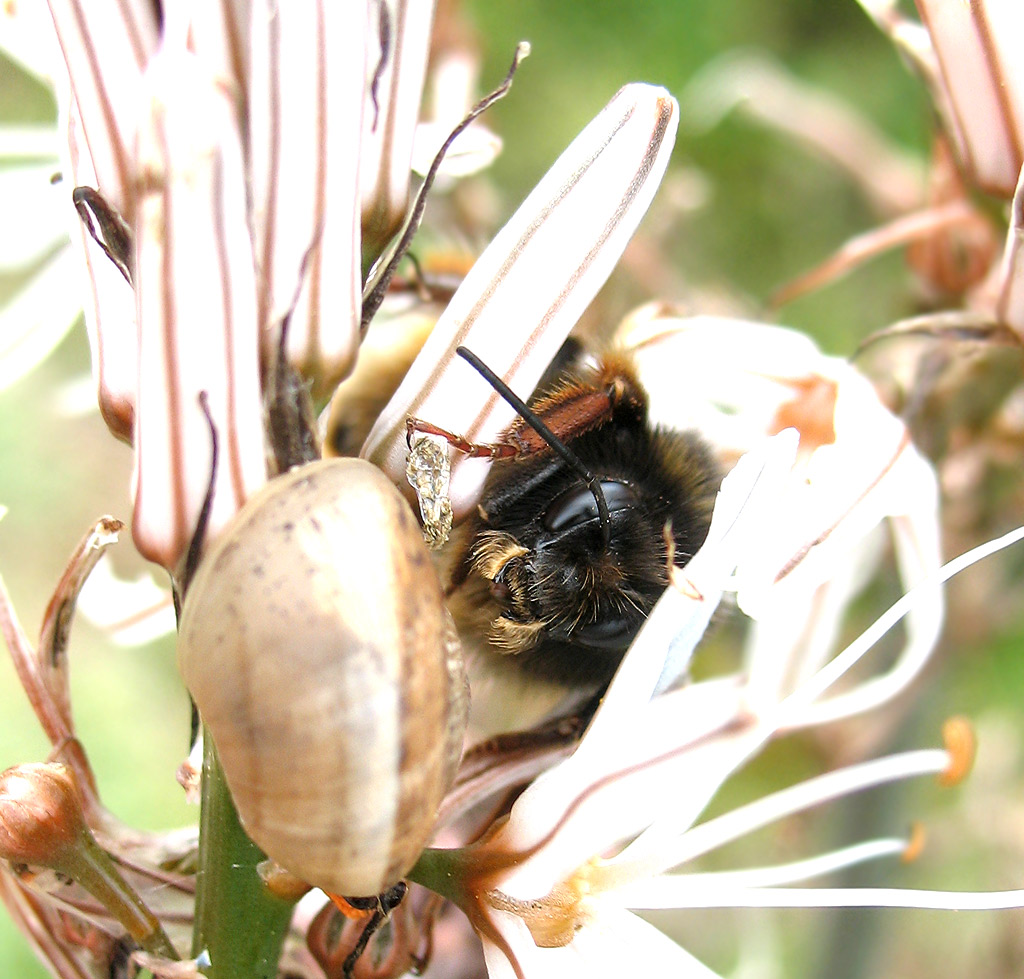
x: 558, y: 446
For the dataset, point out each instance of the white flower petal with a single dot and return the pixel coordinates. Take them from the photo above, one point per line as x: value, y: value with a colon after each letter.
x: 661, y: 652
x: 38, y: 317
x: 735, y: 373
x: 681, y: 890
x: 857, y: 470
x: 36, y: 208
x: 612, y: 944
x: 392, y: 112
x: 977, y: 47
x: 219, y: 34
x: 1010, y: 303
x: 29, y: 142
x: 107, y: 44
x: 660, y: 849
x: 26, y: 35
x: 197, y: 312
x: 865, y: 897
x: 671, y: 761
x: 473, y: 150
x: 305, y: 115
x: 132, y: 613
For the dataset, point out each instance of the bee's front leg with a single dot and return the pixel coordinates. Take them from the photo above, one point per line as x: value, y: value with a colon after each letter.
x: 474, y: 450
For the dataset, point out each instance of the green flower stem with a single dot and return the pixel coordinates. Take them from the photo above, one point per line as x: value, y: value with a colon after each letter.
x: 89, y: 864
x: 239, y: 923
x: 442, y: 871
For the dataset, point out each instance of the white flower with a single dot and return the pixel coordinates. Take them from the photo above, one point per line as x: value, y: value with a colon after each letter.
x: 35, y: 320
x: 616, y: 826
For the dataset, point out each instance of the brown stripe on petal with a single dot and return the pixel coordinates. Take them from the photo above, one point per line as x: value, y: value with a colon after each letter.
x: 117, y: 147
x: 172, y: 358
x: 979, y: 97
x: 273, y: 116
x: 230, y: 448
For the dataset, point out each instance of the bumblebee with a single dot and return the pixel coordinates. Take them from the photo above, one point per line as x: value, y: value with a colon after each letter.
x: 551, y: 579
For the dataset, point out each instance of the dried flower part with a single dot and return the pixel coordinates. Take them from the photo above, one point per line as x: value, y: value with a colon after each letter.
x: 306, y: 107
x: 956, y: 254
x: 196, y: 297
x: 54, y: 634
x: 763, y: 89
x: 43, y: 671
x: 429, y: 472
x: 398, y: 41
x: 532, y: 283
x: 41, y: 816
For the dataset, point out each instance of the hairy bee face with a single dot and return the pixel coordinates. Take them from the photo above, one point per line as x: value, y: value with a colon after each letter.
x: 560, y: 599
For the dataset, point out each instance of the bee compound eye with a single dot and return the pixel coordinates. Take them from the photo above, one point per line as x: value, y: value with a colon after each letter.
x: 576, y: 505
x: 607, y: 633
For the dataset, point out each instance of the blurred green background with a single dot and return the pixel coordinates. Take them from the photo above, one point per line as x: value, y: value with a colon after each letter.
x: 764, y: 210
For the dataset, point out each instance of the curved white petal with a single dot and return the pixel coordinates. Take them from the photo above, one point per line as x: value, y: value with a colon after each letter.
x: 613, y: 944
x: 395, y: 90
x: 196, y: 289
x: 33, y: 206
x: 306, y: 108
x: 38, y: 317
x: 107, y: 45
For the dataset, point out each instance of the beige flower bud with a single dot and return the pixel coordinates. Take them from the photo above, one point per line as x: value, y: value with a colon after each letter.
x: 41, y: 815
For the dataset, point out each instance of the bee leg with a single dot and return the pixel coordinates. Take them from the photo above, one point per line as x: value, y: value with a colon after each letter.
x: 475, y: 450
x: 380, y: 908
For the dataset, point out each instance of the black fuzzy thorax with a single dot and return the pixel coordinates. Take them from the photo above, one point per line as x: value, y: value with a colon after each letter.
x: 573, y: 582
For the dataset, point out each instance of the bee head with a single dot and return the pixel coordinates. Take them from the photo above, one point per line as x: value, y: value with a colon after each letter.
x: 571, y: 577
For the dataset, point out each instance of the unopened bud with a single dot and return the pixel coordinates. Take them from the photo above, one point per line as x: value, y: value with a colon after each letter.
x: 42, y: 824
x: 41, y: 818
